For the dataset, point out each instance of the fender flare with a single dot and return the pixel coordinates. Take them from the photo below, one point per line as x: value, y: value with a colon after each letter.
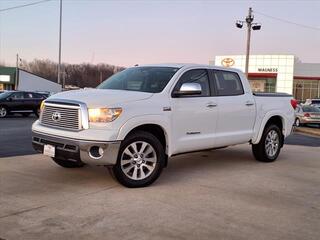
x: 259, y: 129
x: 137, y: 121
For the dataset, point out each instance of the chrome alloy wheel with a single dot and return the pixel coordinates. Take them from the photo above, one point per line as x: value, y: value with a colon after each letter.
x: 272, y: 143
x: 138, y: 160
x: 3, y: 112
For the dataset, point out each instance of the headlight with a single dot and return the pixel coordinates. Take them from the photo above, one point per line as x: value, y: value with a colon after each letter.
x: 41, y: 106
x: 104, y: 114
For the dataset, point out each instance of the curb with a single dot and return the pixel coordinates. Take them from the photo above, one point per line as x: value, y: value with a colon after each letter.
x: 311, y: 131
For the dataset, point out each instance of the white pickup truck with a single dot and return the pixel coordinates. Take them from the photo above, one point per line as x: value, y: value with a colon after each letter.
x: 138, y: 118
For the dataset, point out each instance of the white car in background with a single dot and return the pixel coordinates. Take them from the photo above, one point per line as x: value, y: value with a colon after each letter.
x: 313, y: 102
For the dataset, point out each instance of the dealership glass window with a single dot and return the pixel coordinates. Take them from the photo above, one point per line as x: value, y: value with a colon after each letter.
x: 263, y: 84
x: 304, y: 89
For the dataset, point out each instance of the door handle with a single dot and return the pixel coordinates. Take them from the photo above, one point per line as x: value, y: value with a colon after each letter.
x: 249, y: 103
x: 211, y: 105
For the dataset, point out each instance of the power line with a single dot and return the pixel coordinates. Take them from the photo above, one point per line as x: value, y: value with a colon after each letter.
x: 25, y: 5
x: 289, y: 22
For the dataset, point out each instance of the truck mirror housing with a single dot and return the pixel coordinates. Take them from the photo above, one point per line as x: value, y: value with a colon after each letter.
x: 188, y: 89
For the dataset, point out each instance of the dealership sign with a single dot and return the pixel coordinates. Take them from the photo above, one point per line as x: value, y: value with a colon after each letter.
x: 271, y: 70
x: 227, y: 62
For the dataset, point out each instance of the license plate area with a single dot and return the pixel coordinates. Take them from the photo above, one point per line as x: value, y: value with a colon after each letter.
x: 49, y: 150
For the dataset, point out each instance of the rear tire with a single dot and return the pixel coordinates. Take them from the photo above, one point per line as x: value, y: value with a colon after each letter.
x: 297, y: 122
x: 268, y: 149
x: 141, y: 159
x: 3, y: 112
x: 68, y: 163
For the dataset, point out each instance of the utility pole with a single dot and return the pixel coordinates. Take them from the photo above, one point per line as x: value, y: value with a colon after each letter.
x: 59, y: 64
x: 250, y: 25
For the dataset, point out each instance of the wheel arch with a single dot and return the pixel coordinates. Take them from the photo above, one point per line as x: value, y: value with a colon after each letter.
x: 154, y: 126
x: 276, y: 119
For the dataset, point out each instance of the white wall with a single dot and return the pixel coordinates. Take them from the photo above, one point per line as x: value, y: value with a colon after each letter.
x: 30, y: 82
x: 307, y: 69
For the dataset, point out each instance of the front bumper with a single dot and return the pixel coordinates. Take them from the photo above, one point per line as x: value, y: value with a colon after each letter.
x: 73, y: 149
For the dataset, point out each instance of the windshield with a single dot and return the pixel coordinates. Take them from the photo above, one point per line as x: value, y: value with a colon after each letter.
x: 141, y: 79
x: 5, y: 95
x: 310, y: 109
x: 316, y: 102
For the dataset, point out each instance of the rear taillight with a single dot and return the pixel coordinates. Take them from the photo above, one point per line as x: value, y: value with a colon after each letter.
x: 294, y: 103
x: 306, y: 115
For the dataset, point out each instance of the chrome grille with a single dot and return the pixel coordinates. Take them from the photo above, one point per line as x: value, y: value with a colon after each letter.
x: 61, y: 117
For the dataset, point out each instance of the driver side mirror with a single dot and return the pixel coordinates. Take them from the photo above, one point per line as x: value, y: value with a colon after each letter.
x: 9, y: 99
x: 188, y: 89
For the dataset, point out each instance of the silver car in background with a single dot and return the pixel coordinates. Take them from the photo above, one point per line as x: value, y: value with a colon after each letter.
x: 307, y: 114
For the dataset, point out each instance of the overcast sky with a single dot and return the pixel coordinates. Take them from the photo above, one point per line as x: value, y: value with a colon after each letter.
x: 129, y: 32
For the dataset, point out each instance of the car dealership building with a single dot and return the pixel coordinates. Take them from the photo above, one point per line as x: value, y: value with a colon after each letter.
x: 277, y: 73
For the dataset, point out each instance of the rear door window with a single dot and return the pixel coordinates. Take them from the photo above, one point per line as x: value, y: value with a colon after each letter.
x: 227, y: 83
x: 28, y: 95
x: 18, y: 95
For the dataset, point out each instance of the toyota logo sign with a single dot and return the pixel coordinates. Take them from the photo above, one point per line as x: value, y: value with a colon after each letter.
x: 227, y: 62
x: 56, y: 116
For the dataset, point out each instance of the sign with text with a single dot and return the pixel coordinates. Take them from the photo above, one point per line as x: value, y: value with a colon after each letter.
x: 268, y: 69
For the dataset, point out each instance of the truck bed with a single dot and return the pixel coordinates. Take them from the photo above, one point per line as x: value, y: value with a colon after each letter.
x: 267, y: 94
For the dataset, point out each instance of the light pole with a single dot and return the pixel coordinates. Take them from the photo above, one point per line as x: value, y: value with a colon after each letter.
x: 18, y: 63
x: 59, y: 64
x: 254, y: 26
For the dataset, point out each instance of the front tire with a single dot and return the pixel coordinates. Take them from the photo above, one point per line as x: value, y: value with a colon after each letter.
x: 37, y: 112
x: 268, y: 149
x: 140, y: 160
x: 68, y: 163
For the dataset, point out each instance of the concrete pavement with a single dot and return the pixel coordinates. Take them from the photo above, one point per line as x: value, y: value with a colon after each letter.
x: 222, y: 194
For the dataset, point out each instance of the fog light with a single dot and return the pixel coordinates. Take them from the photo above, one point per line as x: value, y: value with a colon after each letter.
x: 96, y: 152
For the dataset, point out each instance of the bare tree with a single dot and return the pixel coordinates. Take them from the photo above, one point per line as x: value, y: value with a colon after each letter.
x: 81, y: 75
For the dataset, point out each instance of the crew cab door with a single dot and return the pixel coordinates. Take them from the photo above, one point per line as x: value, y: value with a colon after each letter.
x: 194, y: 117
x: 236, y: 107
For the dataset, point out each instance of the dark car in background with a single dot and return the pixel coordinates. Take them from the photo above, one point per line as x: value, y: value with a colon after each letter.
x: 21, y: 102
x: 307, y: 114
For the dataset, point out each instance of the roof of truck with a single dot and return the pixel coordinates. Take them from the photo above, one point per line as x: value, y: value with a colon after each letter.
x: 180, y: 65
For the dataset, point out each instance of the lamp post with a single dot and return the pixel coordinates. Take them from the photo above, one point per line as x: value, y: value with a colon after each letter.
x: 59, y: 63
x: 250, y: 25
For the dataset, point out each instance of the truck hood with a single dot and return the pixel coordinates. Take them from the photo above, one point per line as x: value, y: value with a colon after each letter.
x: 95, y: 98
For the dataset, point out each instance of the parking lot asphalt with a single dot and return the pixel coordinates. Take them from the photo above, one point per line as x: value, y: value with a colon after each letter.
x: 15, y: 137
x: 221, y: 194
